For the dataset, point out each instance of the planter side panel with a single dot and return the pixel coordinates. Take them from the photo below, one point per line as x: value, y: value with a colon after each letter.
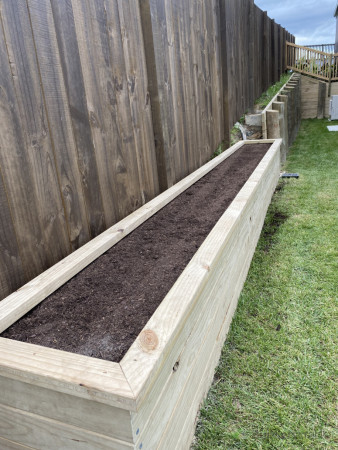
x: 38, y: 432
x: 175, y: 396
x: 90, y: 415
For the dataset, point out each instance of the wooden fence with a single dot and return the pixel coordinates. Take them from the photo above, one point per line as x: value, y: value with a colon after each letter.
x: 104, y: 104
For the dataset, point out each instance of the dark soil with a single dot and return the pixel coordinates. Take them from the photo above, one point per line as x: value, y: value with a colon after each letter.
x: 101, y: 310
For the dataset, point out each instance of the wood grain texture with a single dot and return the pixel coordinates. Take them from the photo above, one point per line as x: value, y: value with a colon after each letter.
x: 150, y: 40
x: 279, y: 106
x: 88, y: 414
x: 81, y: 376
x: 186, y: 50
x: 136, y: 69
x: 5, y: 444
x: 12, y: 274
x: 60, y: 124
x: 41, y: 433
x: 33, y: 120
x: 108, y: 105
x: 272, y: 124
x: 26, y: 156
x: 68, y: 47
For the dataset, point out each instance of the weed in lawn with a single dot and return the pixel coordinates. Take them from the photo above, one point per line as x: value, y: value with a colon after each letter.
x: 275, y: 386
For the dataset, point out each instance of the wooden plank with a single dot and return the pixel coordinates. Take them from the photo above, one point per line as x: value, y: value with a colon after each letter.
x: 41, y: 433
x: 12, y: 274
x: 81, y: 376
x: 284, y: 99
x: 82, y: 127
x: 189, y: 40
x: 251, y: 54
x: 280, y: 107
x: 108, y: 105
x: 26, y: 151
x: 226, y: 292
x: 150, y: 41
x: 207, y: 369
x: 266, y: 52
x: 173, y: 311
x: 321, y: 100
x: 217, y: 86
x: 225, y: 72
x: 177, y: 89
x: 135, y: 63
x: 5, y: 444
x: 182, y: 49
x: 163, y: 72
x: 60, y: 125
x: 275, y: 53
x: 19, y: 303
x: 202, y: 326
x: 88, y: 414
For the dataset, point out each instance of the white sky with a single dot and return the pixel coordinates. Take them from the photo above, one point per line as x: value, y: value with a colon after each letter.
x: 311, y: 21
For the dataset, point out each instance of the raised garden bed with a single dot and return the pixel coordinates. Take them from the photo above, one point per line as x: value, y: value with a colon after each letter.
x: 57, y: 399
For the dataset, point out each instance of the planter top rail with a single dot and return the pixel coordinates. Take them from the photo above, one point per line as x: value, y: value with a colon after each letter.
x: 312, y: 62
x: 123, y: 384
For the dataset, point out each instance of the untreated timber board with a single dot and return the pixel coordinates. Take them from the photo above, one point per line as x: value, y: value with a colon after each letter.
x: 222, y: 259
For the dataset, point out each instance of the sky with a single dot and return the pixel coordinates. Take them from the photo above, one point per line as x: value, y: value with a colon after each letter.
x: 311, y: 21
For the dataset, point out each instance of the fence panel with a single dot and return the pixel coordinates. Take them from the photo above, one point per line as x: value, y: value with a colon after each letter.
x: 104, y: 104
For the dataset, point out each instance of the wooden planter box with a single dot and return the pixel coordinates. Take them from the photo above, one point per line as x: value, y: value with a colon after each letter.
x: 51, y: 399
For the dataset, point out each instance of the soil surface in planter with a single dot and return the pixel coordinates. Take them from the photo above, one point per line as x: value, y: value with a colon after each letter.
x: 101, y: 311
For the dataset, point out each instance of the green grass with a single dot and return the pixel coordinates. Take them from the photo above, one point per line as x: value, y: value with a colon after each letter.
x: 276, y: 384
x: 268, y: 95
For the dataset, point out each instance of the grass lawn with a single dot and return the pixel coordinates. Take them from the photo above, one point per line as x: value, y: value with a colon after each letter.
x: 276, y: 384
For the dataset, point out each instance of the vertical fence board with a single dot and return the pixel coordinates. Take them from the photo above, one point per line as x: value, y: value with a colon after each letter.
x: 151, y: 38
x: 51, y: 241
x: 72, y: 73
x: 106, y: 94
x: 59, y: 119
x: 12, y: 274
x: 132, y: 39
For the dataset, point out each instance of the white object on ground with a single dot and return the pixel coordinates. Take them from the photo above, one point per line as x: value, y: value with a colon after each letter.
x: 333, y: 128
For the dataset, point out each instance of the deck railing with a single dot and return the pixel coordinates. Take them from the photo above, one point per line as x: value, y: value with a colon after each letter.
x: 327, y: 48
x: 312, y: 62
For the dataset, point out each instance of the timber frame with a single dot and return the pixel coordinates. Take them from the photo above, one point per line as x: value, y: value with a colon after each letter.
x: 54, y: 399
